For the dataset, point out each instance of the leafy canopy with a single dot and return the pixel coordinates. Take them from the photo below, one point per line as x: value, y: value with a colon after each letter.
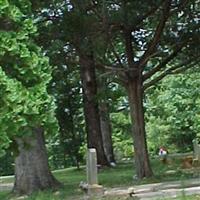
x: 24, y: 75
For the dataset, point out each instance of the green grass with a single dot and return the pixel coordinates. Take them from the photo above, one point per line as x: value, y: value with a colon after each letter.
x: 3, y: 195
x: 121, y: 176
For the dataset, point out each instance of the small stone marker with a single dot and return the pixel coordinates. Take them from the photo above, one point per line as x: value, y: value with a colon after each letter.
x: 196, y: 146
x: 92, y: 167
x: 92, y: 179
x: 195, y: 143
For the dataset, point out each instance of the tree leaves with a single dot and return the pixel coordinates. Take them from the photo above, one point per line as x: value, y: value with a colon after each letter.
x: 173, y: 112
x: 24, y: 75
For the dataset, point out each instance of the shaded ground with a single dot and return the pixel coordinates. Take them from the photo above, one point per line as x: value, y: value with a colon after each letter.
x: 158, y: 190
x: 119, y: 179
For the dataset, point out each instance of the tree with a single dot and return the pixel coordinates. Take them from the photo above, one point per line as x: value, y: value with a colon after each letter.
x: 172, y: 112
x: 141, y: 43
x: 76, y: 39
x: 91, y: 109
x: 147, y: 41
x: 65, y: 86
x: 27, y: 110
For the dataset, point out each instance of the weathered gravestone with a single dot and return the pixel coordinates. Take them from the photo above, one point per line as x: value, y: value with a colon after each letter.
x: 92, y: 179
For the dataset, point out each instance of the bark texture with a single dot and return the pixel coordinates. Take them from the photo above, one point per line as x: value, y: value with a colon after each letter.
x: 32, y: 172
x: 134, y: 86
x: 135, y: 94
x: 106, y: 131
x: 91, y: 111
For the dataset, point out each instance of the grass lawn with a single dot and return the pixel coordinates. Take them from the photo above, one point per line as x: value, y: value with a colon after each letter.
x: 121, y: 176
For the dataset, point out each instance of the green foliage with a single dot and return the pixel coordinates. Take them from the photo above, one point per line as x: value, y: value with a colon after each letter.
x: 7, y: 164
x: 54, y: 36
x: 173, y: 113
x: 122, y: 140
x: 65, y: 86
x: 24, y: 75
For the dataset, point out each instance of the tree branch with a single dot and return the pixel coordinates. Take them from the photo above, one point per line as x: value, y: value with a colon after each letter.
x: 149, y: 13
x: 129, y: 47
x: 164, y: 62
x: 116, y: 54
x: 180, y: 6
x: 114, y: 71
x: 183, y: 68
x: 117, y: 78
x: 121, y: 26
x: 7, y: 24
x: 157, y: 35
x: 178, y: 68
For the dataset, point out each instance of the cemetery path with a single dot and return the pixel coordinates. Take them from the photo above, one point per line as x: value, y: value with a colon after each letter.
x: 6, y: 183
x: 158, y: 190
x: 6, y: 186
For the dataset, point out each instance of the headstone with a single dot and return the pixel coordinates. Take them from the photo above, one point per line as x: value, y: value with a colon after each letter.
x: 94, y: 189
x: 196, y: 160
x: 196, y: 146
x: 92, y: 167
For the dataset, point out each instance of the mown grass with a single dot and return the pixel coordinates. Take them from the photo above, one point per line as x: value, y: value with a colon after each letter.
x: 3, y: 195
x: 121, y: 176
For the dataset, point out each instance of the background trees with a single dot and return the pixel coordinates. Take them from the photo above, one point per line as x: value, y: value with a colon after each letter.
x: 172, y: 112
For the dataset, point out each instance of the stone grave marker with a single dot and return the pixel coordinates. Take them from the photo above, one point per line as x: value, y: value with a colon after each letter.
x: 94, y: 189
x: 92, y: 167
x: 196, y: 146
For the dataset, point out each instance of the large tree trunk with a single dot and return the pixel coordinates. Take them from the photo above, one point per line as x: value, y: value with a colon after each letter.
x: 91, y: 111
x: 106, y: 129
x: 32, y: 172
x: 135, y: 94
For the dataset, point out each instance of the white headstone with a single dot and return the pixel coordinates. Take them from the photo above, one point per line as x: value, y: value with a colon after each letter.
x: 92, y: 167
x: 93, y: 188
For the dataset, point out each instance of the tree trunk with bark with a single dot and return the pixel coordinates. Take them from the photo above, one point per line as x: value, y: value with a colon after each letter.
x: 135, y: 94
x: 106, y: 131
x: 91, y: 111
x: 32, y: 171
x: 106, y: 128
